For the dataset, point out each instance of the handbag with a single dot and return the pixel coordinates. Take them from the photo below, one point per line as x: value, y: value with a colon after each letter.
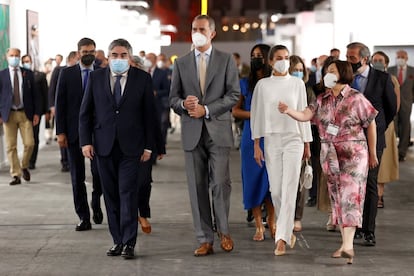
x: 306, y: 175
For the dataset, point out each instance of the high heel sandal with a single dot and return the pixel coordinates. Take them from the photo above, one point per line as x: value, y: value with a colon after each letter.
x: 349, y: 255
x: 259, y: 235
x: 292, y: 241
x: 280, y: 248
x: 380, y: 203
x: 337, y: 253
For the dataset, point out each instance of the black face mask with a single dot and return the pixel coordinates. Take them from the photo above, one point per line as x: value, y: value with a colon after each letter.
x: 256, y: 64
x: 87, y: 59
x: 356, y: 66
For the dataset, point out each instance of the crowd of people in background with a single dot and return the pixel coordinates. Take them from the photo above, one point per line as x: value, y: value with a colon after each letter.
x: 343, y: 116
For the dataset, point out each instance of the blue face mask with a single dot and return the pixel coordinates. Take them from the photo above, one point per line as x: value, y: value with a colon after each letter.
x: 27, y: 65
x: 13, y: 61
x: 298, y: 74
x: 119, y: 66
x: 313, y: 68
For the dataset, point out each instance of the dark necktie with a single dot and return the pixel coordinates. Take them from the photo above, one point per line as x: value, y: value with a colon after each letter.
x: 85, y: 78
x: 117, y: 89
x: 16, y: 89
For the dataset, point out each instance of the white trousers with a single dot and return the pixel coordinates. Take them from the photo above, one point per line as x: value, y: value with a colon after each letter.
x: 283, y: 155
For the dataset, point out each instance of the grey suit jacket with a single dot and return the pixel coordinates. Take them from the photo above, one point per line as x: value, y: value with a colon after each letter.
x: 407, y: 87
x: 221, y: 94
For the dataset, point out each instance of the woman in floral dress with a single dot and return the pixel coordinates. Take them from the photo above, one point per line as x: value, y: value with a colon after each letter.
x: 341, y: 114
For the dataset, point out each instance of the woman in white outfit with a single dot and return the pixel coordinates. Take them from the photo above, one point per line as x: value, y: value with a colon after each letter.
x: 286, y: 141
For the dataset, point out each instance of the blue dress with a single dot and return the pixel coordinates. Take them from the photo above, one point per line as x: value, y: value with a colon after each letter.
x: 254, y: 178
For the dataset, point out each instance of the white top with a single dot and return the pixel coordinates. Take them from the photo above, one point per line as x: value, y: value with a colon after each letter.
x: 265, y: 118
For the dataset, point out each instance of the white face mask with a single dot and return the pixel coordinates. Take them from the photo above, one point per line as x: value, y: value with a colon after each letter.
x: 147, y: 63
x: 330, y: 80
x: 281, y: 66
x: 160, y: 64
x: 198, y: 39
x: 401, y: 62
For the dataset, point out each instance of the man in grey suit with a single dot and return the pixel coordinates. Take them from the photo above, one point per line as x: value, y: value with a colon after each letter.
x: 405, y: 76
x: 204, y: 88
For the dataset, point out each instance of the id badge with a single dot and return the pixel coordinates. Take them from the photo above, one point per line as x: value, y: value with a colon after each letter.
x: 333, y: 129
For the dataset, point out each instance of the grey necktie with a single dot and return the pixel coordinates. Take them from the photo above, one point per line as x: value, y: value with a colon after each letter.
x: 202, y: 68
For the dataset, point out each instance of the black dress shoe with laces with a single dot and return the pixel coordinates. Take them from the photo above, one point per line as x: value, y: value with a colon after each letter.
x: 26, y: 174
x: 128, y: 252
x: 84, y: 225
x: 115, y: 250
x: 15, y: 181
x: 97, y: 216
x: 369, y: 239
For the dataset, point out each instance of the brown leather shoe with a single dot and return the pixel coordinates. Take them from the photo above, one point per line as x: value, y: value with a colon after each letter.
x: 204, y: 250
x: 226, y: 243
x: 145, y: 225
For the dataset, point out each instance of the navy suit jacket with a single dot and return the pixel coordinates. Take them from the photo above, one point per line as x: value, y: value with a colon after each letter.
x: 69, y: 94
x: 161, y: 85
x: 31, y: 100
x: 131, y: 123
x: 380, y: 92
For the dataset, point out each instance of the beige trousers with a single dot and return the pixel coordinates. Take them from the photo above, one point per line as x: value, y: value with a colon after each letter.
x: 18, y: 121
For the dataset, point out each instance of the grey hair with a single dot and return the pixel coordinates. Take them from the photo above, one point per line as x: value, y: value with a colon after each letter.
x: 363, y: 49
x: 122, y: 43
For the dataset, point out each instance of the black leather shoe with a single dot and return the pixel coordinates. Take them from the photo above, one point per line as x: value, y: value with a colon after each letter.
x: 15, y: 181
x: 84, y: 225
x: 26, y: 174
x: 32, y: 166
x: 115, y: 250
x: 370, y: 239
x: 97, y: 216
x: 65, y: 168
x: 128, y: 252
x: 358, y: 234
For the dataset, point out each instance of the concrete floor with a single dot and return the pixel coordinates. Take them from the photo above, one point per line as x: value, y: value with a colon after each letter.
x: 37, y: 235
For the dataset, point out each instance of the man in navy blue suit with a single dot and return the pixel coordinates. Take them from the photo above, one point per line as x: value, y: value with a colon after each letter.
x: 70, y: 90
x: 19, y: 110
x: 116, y: 127
x: 161, y: 85
x: 378, y: 89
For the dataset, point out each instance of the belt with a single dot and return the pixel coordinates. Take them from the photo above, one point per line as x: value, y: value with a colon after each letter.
x: 18, y: 109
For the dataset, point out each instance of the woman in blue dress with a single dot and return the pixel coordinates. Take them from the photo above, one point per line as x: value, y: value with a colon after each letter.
x: 254, y: 178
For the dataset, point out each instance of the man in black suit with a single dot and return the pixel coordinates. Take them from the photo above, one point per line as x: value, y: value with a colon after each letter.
x: 42, y: 89
x: 19, y: 111
x: 116, y: 128
x: 161, y: 86
x: 71, y: 60
x: 379, y: 90
x: 70, y: 90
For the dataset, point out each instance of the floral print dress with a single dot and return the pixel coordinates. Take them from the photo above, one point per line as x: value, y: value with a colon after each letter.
x: 344, y: 151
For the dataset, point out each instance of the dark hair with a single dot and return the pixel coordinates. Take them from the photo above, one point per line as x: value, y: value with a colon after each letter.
x: 236, y: 55
x: 320, y: 87
x: 211, y: 22
x: 334, y: 50
x: 363, y: 49
x: 72, y: 54
x: 85, y: 42
x: 381, y: 53
x: 275, y: 49
x: 346, y: 75
x: 122, y: 43
x: 294, y: 59
x: 25, y: 56
x: 267, y: 70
